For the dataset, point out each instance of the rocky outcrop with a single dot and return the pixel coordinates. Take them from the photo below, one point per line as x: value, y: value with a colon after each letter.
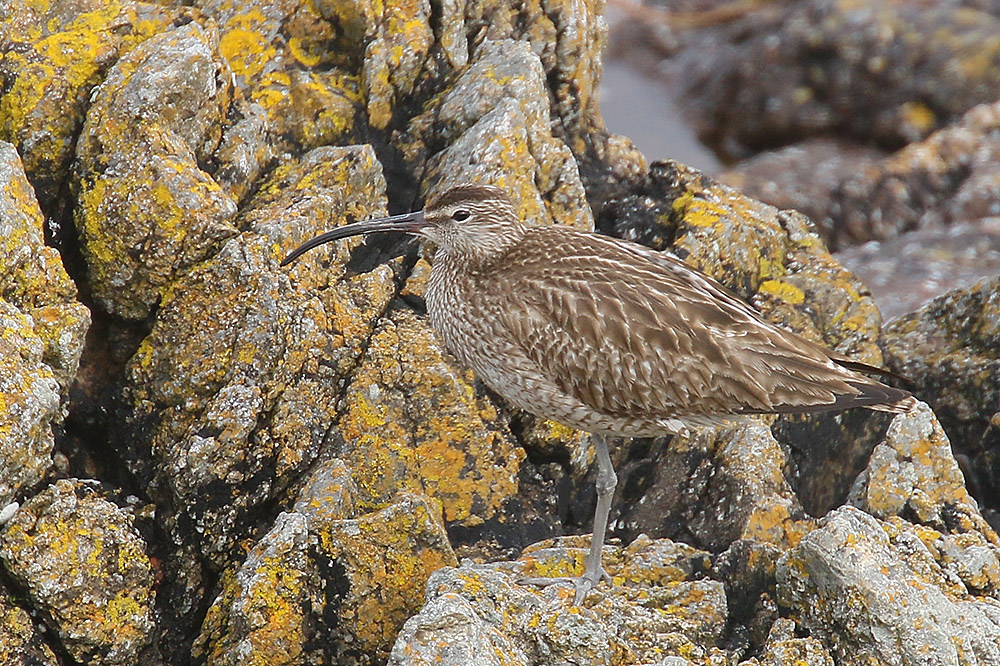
x: 291, y: 469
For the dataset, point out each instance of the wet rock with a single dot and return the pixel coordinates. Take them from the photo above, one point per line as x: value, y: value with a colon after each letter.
x: 80, y: 561
x: 874, y: 597
x: 654, y: 609
x: 908, y: 271
x: 44, y: 326
x: 948, y: 351
x: 147, y: 211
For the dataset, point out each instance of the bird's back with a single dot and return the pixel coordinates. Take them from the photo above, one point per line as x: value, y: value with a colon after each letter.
x: 609, y: 336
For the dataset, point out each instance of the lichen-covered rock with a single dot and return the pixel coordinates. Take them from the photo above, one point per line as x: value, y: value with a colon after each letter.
x: 717, y: 487
x: 82, y: 563
x: 147, y: 211
x: 43, y: 326
x: 316, y: 392
x: 748, y: 496
x: 412, y: 421
x: 52, y: 55
x: 267, y: 608
x: 948, y: 350
x: 327, y: 584
x: 237, y: 384
x: 378, y: 566
x: 291, y: 60
x: 29, y: 405
x: 655, y: 607
x: 21, y: 642
x: 913, y: 475
x: 492, y: 124
x: 877, y: 597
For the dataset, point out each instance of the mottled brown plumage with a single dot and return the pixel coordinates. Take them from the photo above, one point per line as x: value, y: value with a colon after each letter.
x: 608, y: 336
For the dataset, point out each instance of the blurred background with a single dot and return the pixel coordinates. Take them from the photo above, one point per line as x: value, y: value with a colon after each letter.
x: 879, y: 120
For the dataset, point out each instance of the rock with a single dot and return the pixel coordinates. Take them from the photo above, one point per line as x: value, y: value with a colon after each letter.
x: 379, y: 564
x: 493, y: 125
x: 912, y: 474
x: 784, y: 649
x: 654, y: 608
x: 80, y: 561
x: 53, y: 55
x: 316, y: 588
x: 948, y: 351
x: 238, y: 382
x: 291, y: 60
x: 310, y: 455
x: 146, y: 209
x: 266, y: 610
x: 804, y: 176
x: 948, y: 178
x: 874, y: 72
x: 411, y: 421
x: 22, y: 643
x: 878, y: 598
x: 44, y: 327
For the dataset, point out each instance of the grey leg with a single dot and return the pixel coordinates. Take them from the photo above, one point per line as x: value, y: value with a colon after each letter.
x: 606, y: 482
x: 593, y: 571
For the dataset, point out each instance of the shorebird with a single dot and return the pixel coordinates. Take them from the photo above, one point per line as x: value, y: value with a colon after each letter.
x: 607, y: 336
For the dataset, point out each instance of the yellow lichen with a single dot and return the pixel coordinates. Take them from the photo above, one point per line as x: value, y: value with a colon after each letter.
x: 784, y: 291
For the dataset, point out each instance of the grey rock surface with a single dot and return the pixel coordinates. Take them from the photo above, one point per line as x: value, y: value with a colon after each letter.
x: 874, y: 597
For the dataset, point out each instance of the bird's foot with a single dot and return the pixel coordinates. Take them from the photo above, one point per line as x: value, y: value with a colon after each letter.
x: 582, y: 584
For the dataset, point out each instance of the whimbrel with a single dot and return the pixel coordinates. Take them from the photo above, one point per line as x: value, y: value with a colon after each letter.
x: 608, y: 336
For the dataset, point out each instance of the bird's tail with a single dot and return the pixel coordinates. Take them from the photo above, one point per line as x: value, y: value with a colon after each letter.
x: 902, y: 406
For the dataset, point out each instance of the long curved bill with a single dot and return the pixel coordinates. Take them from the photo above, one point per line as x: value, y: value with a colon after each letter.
x: 408, y: 222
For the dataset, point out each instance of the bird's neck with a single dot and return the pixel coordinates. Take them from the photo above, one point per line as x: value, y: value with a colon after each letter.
x: 478, y: 254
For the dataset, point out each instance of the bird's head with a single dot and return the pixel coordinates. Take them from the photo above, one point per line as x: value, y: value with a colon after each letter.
x: 473, y: 222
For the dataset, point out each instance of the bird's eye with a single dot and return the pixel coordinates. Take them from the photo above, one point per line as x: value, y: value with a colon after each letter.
x: 460, y: 215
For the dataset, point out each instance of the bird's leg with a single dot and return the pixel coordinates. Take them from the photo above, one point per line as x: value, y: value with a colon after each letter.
x: 593, y: 571
x: 606, y: 482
